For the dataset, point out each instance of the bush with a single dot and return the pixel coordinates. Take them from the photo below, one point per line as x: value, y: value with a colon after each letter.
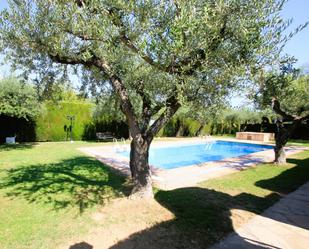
x: 171, y: 128
x: 191, y: 127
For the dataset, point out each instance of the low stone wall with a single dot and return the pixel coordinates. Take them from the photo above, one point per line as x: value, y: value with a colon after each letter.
x: 255, y: 136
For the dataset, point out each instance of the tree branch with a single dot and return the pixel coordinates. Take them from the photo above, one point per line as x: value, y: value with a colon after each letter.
x: 194, y: 60
x: 116, y: 82
x: 125, y: 103
x: 70, y: 60
x: 146, y: 106
x: 277, y: 109
x: 84, y: 37
x: 116, y: 20
x: 172, y: 106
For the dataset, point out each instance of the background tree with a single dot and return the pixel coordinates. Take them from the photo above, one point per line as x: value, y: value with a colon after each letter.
x: 205, y: 113
x: 156, y: 55
x: 18, y: 99
x: 288, y: 93
x: 18, y: 109
x: 50, y: 83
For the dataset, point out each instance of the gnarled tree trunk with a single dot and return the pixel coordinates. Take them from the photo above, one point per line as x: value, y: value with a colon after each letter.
x: 280, y: 157
x: 283, y: 134
x: 140, y: 170
x: 281, y: 139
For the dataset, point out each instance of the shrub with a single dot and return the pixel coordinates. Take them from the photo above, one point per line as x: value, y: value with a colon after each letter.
x: 171, y: 128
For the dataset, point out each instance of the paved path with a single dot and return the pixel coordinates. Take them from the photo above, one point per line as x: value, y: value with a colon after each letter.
x: 284, y: 225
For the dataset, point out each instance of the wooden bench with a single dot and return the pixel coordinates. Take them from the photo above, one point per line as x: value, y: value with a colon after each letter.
x: 104, y: 136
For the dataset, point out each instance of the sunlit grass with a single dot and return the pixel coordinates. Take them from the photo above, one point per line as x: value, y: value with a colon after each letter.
x: 48, y: 191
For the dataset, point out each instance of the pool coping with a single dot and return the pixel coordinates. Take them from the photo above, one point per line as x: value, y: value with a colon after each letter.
x: 186, y: 176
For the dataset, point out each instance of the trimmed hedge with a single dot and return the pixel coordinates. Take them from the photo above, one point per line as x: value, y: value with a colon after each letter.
x: 50, y: 125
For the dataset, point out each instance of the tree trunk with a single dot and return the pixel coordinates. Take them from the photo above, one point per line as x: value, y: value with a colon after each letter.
x: 280, y: 157
x: 283, y: 134
x: 140, y: 169
x: 281, y: 138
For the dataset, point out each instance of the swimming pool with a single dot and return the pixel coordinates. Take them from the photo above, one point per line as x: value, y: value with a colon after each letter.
x: 185, y: 155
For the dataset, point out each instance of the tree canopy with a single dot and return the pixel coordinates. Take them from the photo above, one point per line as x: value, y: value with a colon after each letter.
x: 184, y: 49
x: 155, y: 55
x: 287, y: 86
x: 18, y: 99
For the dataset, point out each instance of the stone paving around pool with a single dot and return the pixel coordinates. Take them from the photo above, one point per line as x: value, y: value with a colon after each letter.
x: 188, y: 175
x: 284, y: 225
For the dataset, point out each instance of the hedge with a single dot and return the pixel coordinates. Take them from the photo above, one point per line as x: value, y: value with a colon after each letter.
x: 50, y: 125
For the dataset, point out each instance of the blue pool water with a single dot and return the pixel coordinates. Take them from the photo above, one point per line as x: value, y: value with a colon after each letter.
x: 185, y: 155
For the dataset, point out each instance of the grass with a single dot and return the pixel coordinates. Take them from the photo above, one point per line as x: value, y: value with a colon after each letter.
x: 265, y: 179
x: 299, y: 142
x: 48, y: 191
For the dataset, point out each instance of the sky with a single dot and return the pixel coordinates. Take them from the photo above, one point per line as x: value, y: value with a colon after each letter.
x: 298, y: 46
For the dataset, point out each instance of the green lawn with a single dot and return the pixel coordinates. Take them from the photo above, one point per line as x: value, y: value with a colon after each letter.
x: 299, y: 142
x: 48, y: 191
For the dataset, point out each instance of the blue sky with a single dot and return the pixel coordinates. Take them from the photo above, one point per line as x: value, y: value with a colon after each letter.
x: 298, y: 46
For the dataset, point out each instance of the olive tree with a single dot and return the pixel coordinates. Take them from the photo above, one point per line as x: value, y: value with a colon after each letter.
x: 155, y: 55
x: 287, y: 92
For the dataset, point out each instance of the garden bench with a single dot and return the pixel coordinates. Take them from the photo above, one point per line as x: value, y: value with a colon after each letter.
x: 104, y: 136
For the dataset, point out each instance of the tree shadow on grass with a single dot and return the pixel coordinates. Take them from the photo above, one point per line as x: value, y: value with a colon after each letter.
x: 202, y: 218
x: 77, y: 182
x: 21, y: 146
x: 289, y: 180
x: 81, y: 245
